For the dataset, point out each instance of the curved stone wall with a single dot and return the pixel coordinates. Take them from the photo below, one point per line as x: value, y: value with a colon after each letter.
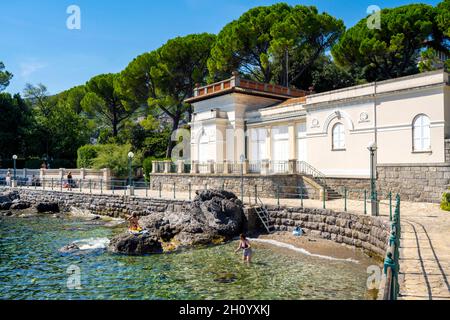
x: 368, y: 233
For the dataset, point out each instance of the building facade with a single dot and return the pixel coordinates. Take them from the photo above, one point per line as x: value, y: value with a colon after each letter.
x: 270, y: 129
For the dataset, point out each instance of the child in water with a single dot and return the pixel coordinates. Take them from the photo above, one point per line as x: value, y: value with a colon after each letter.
x: 244, y: 245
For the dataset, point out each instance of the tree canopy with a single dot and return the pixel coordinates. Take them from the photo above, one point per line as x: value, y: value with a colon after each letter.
x: 164, y: 78
x: 394, y: 50
x: 104, y: 100
x: 265, y: 40
x: 5, y: 77
x: 443, y: 17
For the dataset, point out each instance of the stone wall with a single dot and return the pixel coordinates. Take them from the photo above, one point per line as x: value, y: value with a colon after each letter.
x: 415, y: 182
x: 106, y: 205
x: 267, y: 186
x: 355, y: 186
x: 365, y: 232
x: 368, y: 233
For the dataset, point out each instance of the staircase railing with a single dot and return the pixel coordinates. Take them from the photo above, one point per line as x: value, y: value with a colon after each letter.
x: 263, y: 214
x: 307, y: 169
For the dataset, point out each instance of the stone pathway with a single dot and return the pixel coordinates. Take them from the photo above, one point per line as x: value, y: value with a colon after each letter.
x: 425, y: 241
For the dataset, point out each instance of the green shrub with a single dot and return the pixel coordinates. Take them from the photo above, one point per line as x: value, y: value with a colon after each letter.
x: 86, y: 155
x: 114, y: 157
x: 147, y: 167
x: 445, y: 203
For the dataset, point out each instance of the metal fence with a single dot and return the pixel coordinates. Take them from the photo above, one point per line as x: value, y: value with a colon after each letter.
x: 391, y: 262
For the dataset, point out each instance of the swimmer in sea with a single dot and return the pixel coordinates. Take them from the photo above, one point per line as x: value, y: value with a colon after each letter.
x: 244, y: 245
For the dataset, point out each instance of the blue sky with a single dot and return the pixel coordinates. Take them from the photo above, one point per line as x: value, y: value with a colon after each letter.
x: 37, y: 47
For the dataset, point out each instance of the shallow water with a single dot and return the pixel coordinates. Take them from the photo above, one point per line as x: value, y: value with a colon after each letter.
x: 32, y: 268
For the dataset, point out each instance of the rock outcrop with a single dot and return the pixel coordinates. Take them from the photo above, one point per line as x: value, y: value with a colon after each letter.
x: 47, y: 207
x: 7, y: 200
x: 131, y: 244
x: 20, y: 205
x: 212, y: 217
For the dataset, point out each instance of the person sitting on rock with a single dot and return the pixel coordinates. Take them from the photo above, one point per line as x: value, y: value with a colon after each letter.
x: 134, y: 223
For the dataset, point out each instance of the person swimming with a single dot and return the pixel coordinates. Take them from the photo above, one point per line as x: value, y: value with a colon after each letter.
x: 244, y: 244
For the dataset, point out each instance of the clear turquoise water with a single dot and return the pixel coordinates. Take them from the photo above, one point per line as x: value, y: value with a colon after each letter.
x: 32, y: 268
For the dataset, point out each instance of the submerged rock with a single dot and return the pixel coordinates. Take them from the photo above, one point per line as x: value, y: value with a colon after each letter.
x: 213, y: 217
x: 70, y: 248
x: 135, y: 244
x: 47, y: 207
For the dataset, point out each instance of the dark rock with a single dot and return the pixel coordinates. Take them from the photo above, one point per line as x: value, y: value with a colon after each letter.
x: 135, y: 244
x: 47, y: 207
x: 5, y: 205
x: 213, y: 214
x: 20, y: 205
x: 9, y: 196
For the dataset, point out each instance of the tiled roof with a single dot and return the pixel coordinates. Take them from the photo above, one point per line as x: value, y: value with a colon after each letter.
x: 236, y: 84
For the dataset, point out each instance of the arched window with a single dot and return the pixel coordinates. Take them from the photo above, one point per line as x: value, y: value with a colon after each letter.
x: 421, y: 133
x: 338, y: 136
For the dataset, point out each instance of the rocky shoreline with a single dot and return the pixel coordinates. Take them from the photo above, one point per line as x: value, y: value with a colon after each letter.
x: 213, y: 217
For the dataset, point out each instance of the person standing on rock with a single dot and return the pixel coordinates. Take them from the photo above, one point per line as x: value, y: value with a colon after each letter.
x: 244, y: 244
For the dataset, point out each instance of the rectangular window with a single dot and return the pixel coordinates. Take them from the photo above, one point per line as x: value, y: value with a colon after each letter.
x: 258, y: 144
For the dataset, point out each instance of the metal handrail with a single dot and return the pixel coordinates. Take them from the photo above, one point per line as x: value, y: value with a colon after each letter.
x: 392, y: 263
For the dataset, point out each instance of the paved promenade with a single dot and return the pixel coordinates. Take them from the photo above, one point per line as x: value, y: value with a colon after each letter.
x: 425, y: 241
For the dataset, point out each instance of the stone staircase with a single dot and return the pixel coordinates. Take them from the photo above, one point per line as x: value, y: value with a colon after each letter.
x: 316, y: 179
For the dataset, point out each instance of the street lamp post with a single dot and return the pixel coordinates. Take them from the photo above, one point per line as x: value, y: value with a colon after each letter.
x: 15, y: 167
x: 130, y: 159
x: 373, y: 188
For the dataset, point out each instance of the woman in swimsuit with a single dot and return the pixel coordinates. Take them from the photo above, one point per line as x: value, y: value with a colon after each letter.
x: 244, y: 245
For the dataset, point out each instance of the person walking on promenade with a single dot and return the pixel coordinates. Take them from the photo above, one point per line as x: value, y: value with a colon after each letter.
x: 8, y: 179
x: 69, y: 181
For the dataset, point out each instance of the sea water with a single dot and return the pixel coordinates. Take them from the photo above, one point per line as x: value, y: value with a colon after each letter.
x: 31, y: 267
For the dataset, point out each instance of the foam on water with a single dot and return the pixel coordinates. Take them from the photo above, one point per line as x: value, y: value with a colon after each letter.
x: 301, y: 250
x: 92, y: 243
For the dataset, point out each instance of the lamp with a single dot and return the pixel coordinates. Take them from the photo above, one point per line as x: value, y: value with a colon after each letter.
x: 373, y: 193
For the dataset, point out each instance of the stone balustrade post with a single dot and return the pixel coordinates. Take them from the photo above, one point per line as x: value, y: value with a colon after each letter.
x: 292, y: 166
x: 107, y: 178
x: 194, y: 167
x: 61, y: 174
x: 180, y: 166
x: 155, y: 165
x: 265, y: 167
x: 226, y: 167
x: 245, y: 166
x: 167, y: 166
x: 82, y: 173
x: 210, y: 167
x: 42, y: 176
